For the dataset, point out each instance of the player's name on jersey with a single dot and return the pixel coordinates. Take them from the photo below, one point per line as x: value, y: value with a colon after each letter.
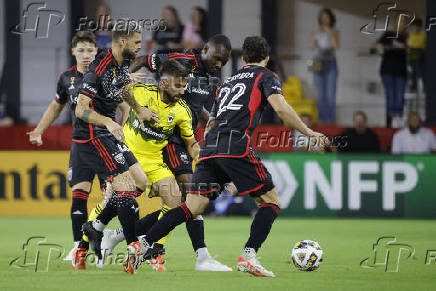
x: 240, y: 76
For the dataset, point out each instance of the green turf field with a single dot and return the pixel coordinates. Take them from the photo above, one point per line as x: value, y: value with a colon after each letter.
x: 345, y: 243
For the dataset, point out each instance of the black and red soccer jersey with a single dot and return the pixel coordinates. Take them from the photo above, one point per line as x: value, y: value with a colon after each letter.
x: 200, y: 88
x: 103, y: 83
x: 240, y: 102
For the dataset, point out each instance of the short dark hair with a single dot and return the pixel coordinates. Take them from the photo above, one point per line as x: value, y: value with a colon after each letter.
x: 222, y: 40
x: 330, y: 14
x: 361, y: 113
x: 125, y: 30
x: 255, y: 49
x: 80, y: 36
x: 173, y: 68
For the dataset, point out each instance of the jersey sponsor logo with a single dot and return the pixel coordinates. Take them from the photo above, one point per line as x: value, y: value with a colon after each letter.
x: 199, y: 91
x: 120, y: 158
x: 89, y: 88
x: 123, y: 148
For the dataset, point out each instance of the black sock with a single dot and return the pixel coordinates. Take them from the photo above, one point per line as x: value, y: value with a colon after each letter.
x: 195, y: 228
x: 144, y: 224
x: 126, y: 214
x: 79, y: 212
x: 261, y: 225
x: 109, y: 211
x: 168, y: 222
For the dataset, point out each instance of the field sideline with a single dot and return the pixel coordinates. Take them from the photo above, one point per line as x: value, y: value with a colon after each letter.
x: 346, y: 242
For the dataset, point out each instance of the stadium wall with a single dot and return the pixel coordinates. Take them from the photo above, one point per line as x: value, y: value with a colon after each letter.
x: 323, y: 185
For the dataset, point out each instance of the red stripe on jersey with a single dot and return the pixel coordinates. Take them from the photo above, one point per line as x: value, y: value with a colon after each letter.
x: 101, y: 62
x: 184, y: 57
x: 107, y: 154
x: 169, y: 156
x: 195, y: 58
x: 252, y: 190
x: 149, y: 63
x: 101, y: 154
x: 87, y: 93
x: 69, y: 69
x: 91, y: 129
x: 255, y: 166
x: 260, y: 166
x: 176, y: 158
x: 201, y: 192
x: 104, y: 66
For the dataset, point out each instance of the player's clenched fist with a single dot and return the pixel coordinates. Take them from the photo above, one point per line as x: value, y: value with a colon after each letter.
x: 35, y: 137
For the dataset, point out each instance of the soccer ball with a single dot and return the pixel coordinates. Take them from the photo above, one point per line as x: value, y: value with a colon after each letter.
x: 307, y: 255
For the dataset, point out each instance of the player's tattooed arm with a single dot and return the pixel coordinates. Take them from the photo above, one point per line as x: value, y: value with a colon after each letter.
x: 192, y: 147
x: 142, y: 113
x: 84, y: 112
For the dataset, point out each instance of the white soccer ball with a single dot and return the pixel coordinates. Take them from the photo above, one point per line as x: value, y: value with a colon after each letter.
x: 307, y: 255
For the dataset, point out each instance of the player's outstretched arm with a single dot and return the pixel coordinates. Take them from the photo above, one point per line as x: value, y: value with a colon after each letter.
x: 291, y: 119
x: 125, y: 110
x: 138, y: 63
x: 142, y: 113
x: 84, y: 112
x: 50, y: 115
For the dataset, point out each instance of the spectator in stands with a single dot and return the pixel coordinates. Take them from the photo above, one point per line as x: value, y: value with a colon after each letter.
x: 103, y: 33
x: 414, y: 139
x: 302, y: 143
x: 360, y: 138
x: 326, y: 40
x: 195, y: 31
x: 393, y: 70
x: 5, y: 121
x: 171, y: 36
x: 416, y: 41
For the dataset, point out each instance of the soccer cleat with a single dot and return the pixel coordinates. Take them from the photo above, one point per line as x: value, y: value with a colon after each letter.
x: 108, y: 243
x: 79, y: 258
x: 69, y: 256
x: 94, y: 237
x: 253, y: 267
x: 130, y: 264
x: 157, y: 264
x: 210, y: 264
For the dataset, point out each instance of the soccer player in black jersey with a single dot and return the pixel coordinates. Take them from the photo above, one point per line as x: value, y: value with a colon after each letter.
x: 227, y: 155
x: 100, y: 140
x: 84, y: 49
x: 202, y: 64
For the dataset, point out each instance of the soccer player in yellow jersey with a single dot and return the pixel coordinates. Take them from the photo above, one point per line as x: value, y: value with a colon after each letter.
x: 147, y: 142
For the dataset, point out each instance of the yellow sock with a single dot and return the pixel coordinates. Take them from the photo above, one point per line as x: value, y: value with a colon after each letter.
x: 92, y: 216
x: 164, y: 210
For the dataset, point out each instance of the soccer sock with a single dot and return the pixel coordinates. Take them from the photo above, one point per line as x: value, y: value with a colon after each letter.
x: 95, y: 212
x: 79, y: 212
x: 109, y: 211
x: 164, y: 210
x: 195, y: 228
x: 144, y: 224
x: 126, y: 208
x: 168, y: 222
x: 261, y: 225
x: 98, y: 225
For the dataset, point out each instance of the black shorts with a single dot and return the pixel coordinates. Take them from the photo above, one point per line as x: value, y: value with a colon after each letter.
x: 177, y: 159
x: 248, y: 174
x: 104, y: 156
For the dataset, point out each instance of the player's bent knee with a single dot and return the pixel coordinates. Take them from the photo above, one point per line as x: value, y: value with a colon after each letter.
x: 86, y: 186
x: 123, y: 182
x: 269, y: 197
x: 196, y: 204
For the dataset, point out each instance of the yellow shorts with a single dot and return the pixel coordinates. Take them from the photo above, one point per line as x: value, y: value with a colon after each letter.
x: 155, y: 170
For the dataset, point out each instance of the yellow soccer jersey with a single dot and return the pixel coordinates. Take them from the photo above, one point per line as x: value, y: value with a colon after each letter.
x: 151, y: 140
